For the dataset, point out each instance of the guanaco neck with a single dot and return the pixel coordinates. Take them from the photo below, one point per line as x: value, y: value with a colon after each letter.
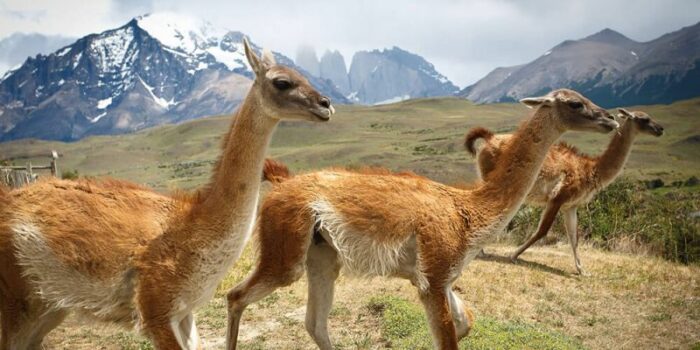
x: 609, y: 164
x: 504, y: 189
x: 230, y: 198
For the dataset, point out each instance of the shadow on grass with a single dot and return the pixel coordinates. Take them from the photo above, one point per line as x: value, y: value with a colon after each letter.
x: 520, y: 262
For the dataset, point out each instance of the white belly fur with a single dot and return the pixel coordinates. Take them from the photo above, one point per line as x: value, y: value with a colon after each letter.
x: 214, y: 263
x: 109, y: 300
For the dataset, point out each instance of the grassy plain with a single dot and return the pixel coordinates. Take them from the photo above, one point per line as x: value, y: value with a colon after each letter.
x: 630, y: 301
x: 423, y: 135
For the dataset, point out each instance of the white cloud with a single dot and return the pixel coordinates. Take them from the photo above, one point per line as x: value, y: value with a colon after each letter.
x: 464, y: 39
x: 65, y: 17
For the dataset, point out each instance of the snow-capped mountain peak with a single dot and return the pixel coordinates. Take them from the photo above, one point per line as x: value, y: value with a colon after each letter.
x: 179, y: 31
x: 112, y: 50
x: 158, y: 68
x: 196, y: 39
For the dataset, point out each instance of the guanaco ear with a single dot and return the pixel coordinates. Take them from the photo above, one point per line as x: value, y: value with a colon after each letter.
x: 532, y: 102
x: 268, y: 59
x: 625, y: 113
x: 253, y: 59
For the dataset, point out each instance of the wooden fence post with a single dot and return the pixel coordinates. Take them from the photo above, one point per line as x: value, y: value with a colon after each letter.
x: 54, y: 163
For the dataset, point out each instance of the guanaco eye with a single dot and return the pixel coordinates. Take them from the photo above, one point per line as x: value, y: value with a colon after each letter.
x: 575, y: 104
x: 281, y: 84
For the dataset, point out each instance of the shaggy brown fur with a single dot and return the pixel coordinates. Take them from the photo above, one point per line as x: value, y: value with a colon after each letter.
x: 399, y: 226
x: 475, y: 134
x: 121, y: 253
x: 570, y: 178
x: 275, y: 171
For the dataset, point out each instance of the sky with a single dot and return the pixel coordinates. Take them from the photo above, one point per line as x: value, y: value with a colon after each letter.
x: 464, y: 39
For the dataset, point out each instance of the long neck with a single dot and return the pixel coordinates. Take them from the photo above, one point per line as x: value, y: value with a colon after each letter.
x: 231, y: 196
x: 504, y: 189
x: 609, y: 164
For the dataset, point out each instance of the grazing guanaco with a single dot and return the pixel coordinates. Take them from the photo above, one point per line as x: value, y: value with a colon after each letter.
x: 379, y: 224
x: 568, y: 178
x: 123, y: 254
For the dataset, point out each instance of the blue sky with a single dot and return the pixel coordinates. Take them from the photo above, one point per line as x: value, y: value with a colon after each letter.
x: 464, y: 39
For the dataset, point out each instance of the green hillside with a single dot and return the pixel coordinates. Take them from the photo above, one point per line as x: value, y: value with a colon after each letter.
x: 423, y: 135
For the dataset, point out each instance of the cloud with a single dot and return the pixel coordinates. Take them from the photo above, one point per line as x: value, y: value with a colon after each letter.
x: 125, y: 9
x: 33, y: 16
x: 66, y: 17
x: 464, y: 39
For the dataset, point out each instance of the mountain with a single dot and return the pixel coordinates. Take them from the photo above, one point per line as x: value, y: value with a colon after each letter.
x: 332, y: 67
x: 377, y: 77
x: 15, y: 48
x: 306, y: 58
x: 160, y: 68
x: 393, y: 75
x: 608, y: 67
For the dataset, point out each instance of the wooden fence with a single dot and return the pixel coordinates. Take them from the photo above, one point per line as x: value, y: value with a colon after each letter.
x: 18, y: 176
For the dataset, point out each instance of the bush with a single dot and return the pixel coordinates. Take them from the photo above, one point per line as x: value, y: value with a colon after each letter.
x: 655, y: 183
x: 629, y: 217
x: 70, y: 174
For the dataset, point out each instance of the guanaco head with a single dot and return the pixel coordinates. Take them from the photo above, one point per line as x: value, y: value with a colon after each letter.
x: 574, y: 111
x: 286, y: 94
x: 642, y: 122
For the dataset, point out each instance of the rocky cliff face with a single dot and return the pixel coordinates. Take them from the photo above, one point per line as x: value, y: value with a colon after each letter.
x: 608, y: 67
x: 156, y: 69
x: 15, y: 48
x: 306, y: 58
x: 332, y: 67
x: 393, y: 75
x: 379, y: 76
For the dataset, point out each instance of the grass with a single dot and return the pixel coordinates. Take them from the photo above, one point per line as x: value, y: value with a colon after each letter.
x: 422, y: 135
x: 404, y: 326
x: 629, y: 301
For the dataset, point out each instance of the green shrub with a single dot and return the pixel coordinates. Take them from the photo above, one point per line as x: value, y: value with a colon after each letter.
x: 70, y: 174
x: 627, y: 216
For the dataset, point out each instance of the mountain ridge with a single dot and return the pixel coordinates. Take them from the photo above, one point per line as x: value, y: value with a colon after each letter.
x: 606, y: 66
x: 160, y: 68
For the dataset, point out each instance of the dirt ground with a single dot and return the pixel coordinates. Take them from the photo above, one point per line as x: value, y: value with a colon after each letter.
x: 628, y: 302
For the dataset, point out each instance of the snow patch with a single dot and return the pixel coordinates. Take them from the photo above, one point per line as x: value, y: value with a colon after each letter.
x: 195, y: 40
x: 393, y: 100
x: 77, y: 59
x: 353, y: 96
x: 96, y: 119
x: 102, y: 104
x: 634, y: 54
x: 175, y: 52
x: 179, y: 32
x: 159, y: 100
x: 10, y: 71
x: 232, y: 59
x: 113, y: 50
x: 434, y: 74
x: 64, y: 51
